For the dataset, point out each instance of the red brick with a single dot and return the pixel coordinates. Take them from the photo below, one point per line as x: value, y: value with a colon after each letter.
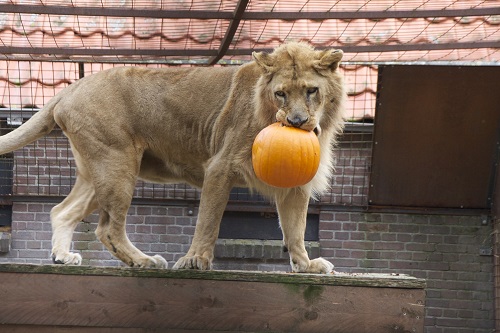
x: 330, y: 225
x: 358, y: 245
x: 338, y: 235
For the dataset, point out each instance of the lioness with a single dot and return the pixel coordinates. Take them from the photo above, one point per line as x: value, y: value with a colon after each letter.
x: 193, y: 125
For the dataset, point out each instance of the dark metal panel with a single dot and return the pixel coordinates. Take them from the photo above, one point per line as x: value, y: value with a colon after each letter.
x: 435, y: 139
x: 257, y: 225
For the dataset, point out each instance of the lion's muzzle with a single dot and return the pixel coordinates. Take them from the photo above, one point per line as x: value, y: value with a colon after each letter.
x: 297, y: 120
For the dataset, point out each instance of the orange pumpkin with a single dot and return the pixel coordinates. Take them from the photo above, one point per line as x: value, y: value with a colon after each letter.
x: 285, y: 156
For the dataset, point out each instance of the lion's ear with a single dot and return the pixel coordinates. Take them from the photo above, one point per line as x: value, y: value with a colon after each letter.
x: 264, y: 60
x: 328, y: 60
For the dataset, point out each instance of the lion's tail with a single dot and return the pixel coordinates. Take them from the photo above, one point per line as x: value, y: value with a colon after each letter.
x: 40, y: 124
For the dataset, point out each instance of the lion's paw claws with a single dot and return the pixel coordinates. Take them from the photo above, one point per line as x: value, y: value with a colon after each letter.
x: 67, y: 259
x: 160, y: 262
x: 193, y: 262
x: 321, y: 266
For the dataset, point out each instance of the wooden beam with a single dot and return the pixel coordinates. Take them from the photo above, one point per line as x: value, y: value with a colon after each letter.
x: 342, y: 279
x: 495, y: 215
x: 39, y: 298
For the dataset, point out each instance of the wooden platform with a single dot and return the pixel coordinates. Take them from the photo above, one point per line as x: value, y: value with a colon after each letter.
x: 96, y: 299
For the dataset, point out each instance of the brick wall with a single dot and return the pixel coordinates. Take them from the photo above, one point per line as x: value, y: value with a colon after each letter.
x: 443, y: 249
x: 47, y: 168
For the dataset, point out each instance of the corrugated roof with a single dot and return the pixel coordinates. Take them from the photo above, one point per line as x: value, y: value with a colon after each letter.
x: 200, y: 32
x: 30, y: 84
x: 205, y: 31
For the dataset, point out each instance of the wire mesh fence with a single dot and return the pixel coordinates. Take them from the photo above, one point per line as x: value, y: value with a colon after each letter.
x: 47, y: 168
x: 45, y: 45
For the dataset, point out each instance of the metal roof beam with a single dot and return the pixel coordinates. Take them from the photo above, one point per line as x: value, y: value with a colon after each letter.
x: 388, y: 47
x: 231, y: 30
x: 236, y: 52
x: 371, y: 15
x: 241, y: 14
x: 61, y: 51
x: 116, y: 12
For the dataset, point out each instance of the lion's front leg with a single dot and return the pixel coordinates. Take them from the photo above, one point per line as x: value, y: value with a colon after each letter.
x: 292, y: 211
x: 214, y: 197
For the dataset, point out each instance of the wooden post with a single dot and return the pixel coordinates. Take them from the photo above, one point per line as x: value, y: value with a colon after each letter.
x: 496, y: 268
x: 45, y: 298
x: 495, y: 213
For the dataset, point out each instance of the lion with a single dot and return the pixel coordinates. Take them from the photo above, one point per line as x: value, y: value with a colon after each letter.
x: 193, y: 125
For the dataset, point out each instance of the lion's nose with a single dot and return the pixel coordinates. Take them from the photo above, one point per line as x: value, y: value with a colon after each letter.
x: 296, y: 121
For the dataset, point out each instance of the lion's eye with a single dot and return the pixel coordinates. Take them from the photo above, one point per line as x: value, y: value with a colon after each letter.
x: 312, y: 90
x: 280, y: 93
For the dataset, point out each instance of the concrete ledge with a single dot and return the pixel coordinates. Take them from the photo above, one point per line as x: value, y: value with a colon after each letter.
x: 5, y: 240
x: 258, y: 249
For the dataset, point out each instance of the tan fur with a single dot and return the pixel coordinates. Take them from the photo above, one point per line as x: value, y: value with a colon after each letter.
x: 188, y: 125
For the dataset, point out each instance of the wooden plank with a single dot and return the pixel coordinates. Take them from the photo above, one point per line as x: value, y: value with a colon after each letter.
x: 73, y: 329
x: 342, y: 279
x: 112, y: 300
x: 423, y: 130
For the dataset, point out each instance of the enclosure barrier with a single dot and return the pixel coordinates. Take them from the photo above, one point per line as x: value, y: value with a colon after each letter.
x: 50, y: 298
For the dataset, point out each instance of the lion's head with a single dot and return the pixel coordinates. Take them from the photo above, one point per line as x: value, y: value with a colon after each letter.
x: 302, y: 86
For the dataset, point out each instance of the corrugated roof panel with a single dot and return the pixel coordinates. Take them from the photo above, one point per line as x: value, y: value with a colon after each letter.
x: 363, y: 39
x: 366, y: 32
x: 33, y: 83
x: 371, y: 31
x: 121, y: 32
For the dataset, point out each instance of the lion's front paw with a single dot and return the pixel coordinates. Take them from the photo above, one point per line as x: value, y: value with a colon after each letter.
x: 320, y: 265
x: 160, y: 261
x: 68, y: 258
x: 193, y: 262
x: 156, y: 261
x: 316, y: 266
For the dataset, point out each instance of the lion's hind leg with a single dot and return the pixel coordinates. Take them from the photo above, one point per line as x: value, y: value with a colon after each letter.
x: 66, y: 215
x: 111, y: 232
x: 115, y: 177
